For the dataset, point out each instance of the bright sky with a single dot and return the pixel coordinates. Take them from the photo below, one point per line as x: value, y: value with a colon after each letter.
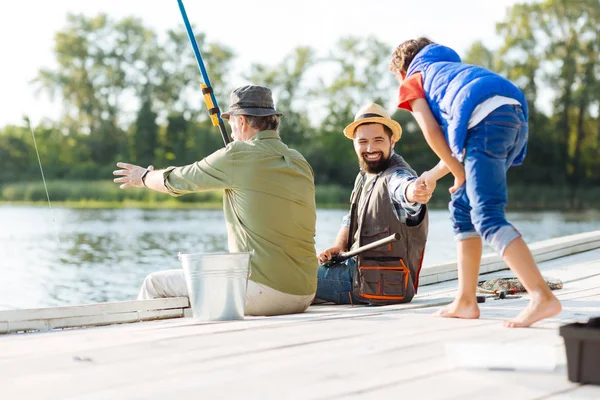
x: 27, y: 31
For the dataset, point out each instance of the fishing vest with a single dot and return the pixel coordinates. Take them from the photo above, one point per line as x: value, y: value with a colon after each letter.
x: 388, y: 274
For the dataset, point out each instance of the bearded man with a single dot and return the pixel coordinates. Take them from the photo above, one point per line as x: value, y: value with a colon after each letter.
x: 387, y: 198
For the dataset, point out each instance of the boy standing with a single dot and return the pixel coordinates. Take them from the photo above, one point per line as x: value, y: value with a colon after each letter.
x: 476, y: 123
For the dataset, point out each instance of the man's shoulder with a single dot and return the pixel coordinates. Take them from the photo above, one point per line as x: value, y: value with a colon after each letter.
x: 359, y: 177
x: 238, y: 148
x: 398, y: 163
x: 295, y: 153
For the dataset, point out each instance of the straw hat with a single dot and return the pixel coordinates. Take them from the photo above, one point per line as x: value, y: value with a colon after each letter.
x: 374, y: 113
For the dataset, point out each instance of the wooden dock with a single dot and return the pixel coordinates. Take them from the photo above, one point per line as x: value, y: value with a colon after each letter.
x: 328, y: 352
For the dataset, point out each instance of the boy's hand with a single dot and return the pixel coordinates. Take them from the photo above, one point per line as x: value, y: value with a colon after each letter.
x: 421, y: 189
x: 428, y: 180
x: 459, y: 179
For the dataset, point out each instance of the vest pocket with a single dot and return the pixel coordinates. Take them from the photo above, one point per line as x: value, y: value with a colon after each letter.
x: 384, y: 284
x: 370, y: 282
x: 372, y: 234
x: 394, y: 284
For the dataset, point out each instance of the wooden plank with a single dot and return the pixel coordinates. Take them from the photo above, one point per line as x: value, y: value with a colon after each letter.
x: 162, y: 372
x: 208, y: 344
x: 93, y: 309
x: 427, y: 322
x: 322, y: 367
x: 579, y: 392
x: 89, y: 320
x: 215, y: 355
x: 542, y: 251
x: 546, y: 254
x: 474, y: 384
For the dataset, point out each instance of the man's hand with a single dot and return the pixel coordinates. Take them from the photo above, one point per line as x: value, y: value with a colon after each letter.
x: 131, y: 175
x: 421, y: 189
x: 330, y: 253
x: 459, y: 179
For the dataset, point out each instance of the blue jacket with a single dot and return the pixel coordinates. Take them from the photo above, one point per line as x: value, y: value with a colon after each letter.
x: 454, y: 89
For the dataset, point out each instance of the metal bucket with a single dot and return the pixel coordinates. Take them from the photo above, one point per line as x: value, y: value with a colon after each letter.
x: 216, y: 284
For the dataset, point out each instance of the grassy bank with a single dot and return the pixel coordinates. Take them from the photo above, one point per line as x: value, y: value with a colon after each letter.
x: 106, y: 194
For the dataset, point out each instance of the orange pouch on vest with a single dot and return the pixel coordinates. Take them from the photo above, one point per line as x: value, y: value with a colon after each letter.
x: 385, y: 283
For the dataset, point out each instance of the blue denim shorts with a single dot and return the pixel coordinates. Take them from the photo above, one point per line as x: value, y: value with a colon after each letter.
x: 491, y: 147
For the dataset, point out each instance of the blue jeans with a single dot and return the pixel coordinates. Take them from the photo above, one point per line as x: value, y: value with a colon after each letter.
x: 477, y: 207
x: 335, y: 283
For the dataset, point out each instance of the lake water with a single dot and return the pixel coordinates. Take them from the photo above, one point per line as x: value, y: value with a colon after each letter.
x: 75, y: 256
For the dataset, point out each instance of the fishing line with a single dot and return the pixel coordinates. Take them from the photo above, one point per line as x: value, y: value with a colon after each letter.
x: 43, y: 178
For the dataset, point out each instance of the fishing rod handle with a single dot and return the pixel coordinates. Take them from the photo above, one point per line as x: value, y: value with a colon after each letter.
x: 349, y: 254
x: 207, y: 91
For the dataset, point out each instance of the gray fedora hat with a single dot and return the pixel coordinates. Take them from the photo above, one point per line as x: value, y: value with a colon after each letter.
x: 251, y: 100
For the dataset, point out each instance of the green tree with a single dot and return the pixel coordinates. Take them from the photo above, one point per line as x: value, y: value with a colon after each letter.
x: 288, y: 83
x: 15, y: 155
x: 360, y: 74
x: 556, y: 42
x: 480, y: 55
x: 145, y: 137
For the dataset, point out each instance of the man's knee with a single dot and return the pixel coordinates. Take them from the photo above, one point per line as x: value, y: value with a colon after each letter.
x: 152, y: 280
x: 334, y: 280
x: 169, y: 283
x: 322, y: 272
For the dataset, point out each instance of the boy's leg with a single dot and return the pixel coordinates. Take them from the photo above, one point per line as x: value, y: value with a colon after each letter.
x: 542, y: 303
x: 468, y: 249
x: 334, y: 283
x: 500, y: 137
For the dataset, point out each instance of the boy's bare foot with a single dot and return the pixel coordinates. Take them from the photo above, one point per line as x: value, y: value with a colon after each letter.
x: 459, y: 309
x: 539, y: 307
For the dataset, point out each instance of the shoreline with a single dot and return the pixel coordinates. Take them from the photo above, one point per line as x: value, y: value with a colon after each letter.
x: 105, y: 194
x: 175, y: 205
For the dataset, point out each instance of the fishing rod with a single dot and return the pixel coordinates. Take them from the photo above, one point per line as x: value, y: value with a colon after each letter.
x: 349, y: 254
x: 207, y: 90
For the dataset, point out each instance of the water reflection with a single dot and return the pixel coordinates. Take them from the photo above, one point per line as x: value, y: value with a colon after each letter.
x: 77, y: 256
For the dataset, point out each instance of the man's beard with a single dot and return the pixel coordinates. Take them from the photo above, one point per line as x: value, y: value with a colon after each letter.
x: 374, y: 167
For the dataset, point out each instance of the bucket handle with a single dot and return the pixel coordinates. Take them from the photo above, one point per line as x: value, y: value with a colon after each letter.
x: 249, y: 266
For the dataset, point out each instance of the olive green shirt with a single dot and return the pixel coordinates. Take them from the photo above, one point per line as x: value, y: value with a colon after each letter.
x: 269, y: 207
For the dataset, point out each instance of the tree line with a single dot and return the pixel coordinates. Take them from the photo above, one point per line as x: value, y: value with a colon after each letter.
x: 551, y: 49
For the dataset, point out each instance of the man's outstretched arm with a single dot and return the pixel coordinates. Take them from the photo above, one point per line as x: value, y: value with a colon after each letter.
x: 407, y: 191
x: 136, y: 176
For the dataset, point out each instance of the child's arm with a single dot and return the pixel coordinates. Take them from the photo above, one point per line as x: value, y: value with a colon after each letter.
x: 439, y: 171
x: 428, y: 179
x: 435, y: 139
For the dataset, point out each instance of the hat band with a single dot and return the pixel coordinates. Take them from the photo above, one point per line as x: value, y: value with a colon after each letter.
x: 371, y: 115
x: 242, y: 105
